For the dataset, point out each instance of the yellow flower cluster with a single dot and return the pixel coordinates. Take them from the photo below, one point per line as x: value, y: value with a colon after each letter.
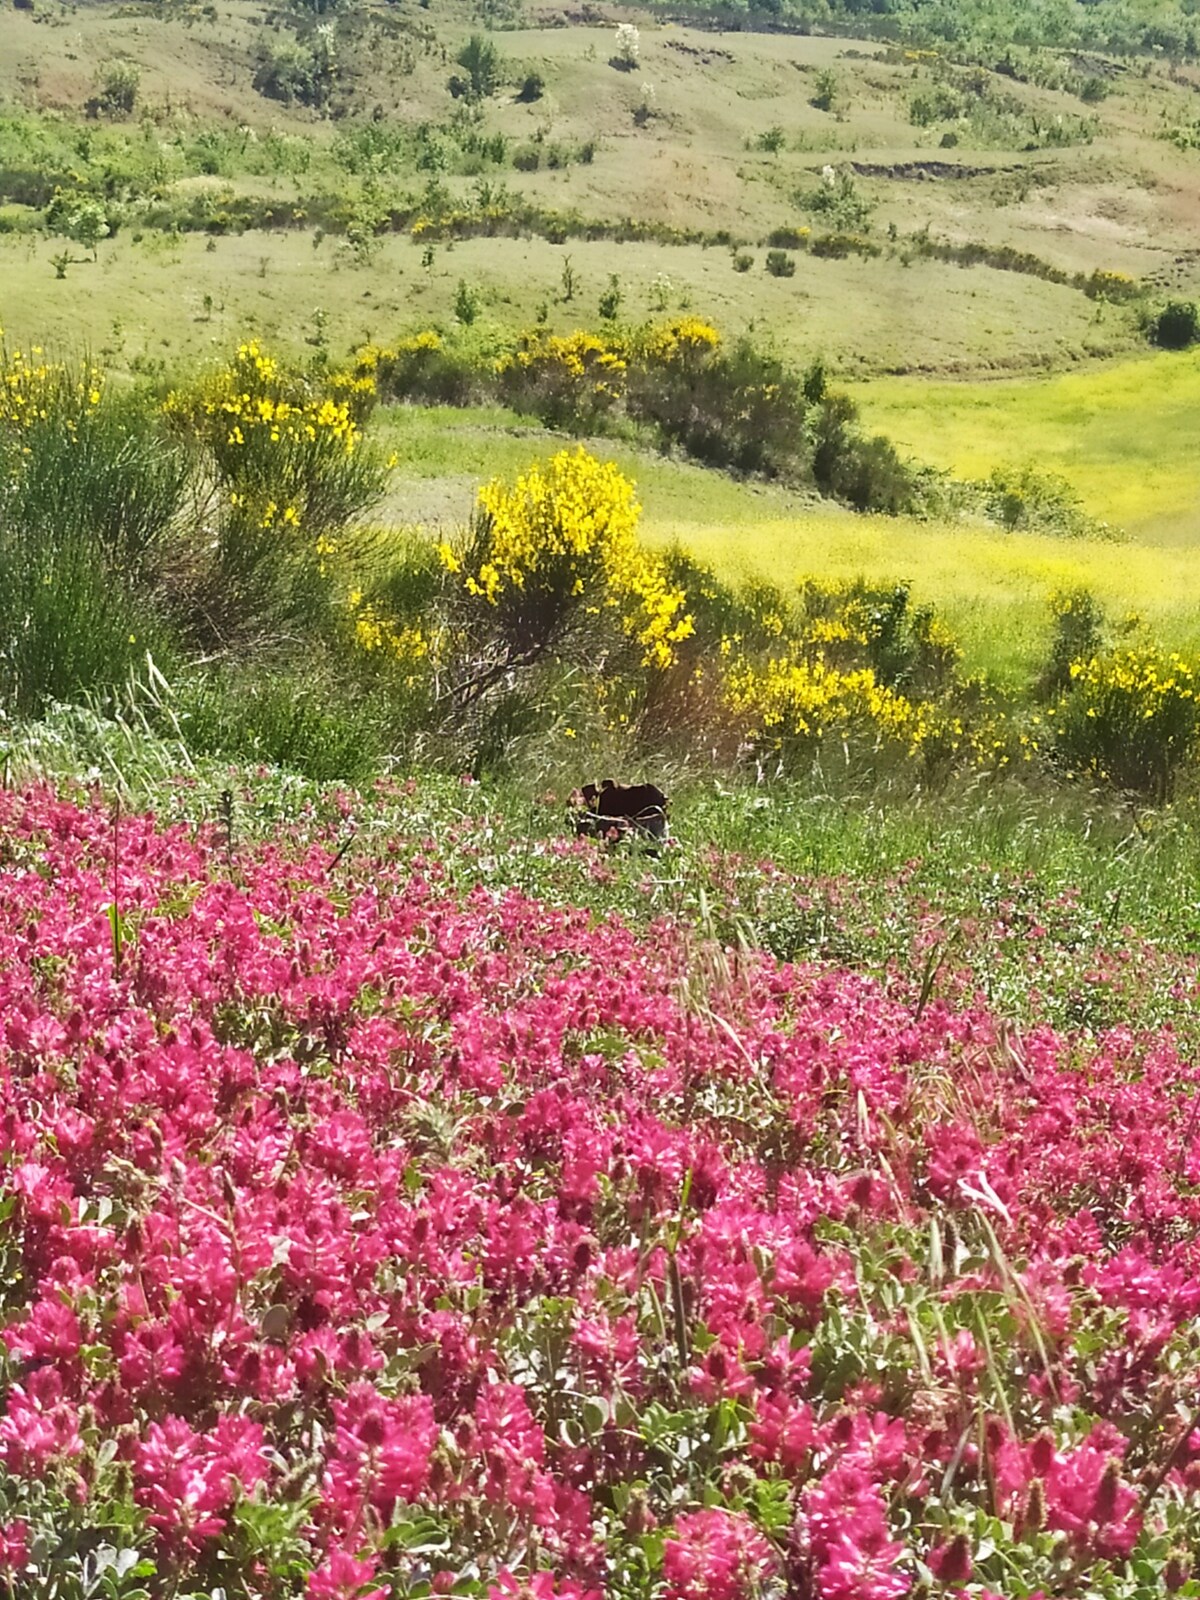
x: 373, y: 359
x: 680, y: 339
x: 568, y: 531
x: 1144, y: 680
x: 32, y: 388
x: 791, y: 699
x: 452, y: 224
x: 575, y: 357
x: 253, y: 402
x: 795, y: 677
x: 1131, y: 716
x: 375, y: 631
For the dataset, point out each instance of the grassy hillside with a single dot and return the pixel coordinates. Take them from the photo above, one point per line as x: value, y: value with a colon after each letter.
x: 714, y: 136
x: 969, y: 222
x: 1123, y: 434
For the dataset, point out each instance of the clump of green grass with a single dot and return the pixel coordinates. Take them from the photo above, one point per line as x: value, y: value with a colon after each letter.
x: 90, y: 493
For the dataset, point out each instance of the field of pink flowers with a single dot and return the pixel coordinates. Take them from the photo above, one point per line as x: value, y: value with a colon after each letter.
x: 364, y: 1235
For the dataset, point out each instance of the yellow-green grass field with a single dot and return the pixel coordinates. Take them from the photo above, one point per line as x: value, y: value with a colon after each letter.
x: 1123, y: 434
x: 991, y: 587
x: 175, y: 298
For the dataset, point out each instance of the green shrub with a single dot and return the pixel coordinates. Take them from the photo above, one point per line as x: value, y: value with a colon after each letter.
x: 742, y: 261
x: 1176, y: 326
x: 788, y: 238
x: 116, y: 89
x: 90, y: 493
x: 827, y: 92
x: 466, y: 302
x: 295, y: 71
x: 838, y: 201
x: 1025, y: 500
x: 837, y: 246
x: 610, y: 299
x: 308, y: 721
x: 736, y: 407
x: 770, y: 140
x: 428, y: 369
x: 867, y: 473
x: 1132, y: 718
x: 780, y: 264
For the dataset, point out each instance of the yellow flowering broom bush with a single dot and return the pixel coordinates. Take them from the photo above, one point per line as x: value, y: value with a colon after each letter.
x: 287, y: 458
x: 568, y: 380
x: 858, y: 665
x: 552, y: 563
x: 1131, y: 717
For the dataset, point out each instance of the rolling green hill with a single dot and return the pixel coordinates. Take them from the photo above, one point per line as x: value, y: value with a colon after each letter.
x: 972, y: 210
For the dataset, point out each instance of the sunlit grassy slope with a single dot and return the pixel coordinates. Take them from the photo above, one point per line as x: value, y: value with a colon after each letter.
x: 1123, y: 434
x: 992, y: 587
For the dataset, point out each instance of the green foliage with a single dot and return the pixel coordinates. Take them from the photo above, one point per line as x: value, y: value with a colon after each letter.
x: 827, y: 91
x: 865, y: 472
x: 737, y: 407
x: 838, y: 201
x: 117, y: 85
x: 466, y: 302
x: 610, y: 299
x: 480, y: 60
x: 1176, y: 326
x: 78, y: 217
x: 986, y: 29
x: 90, y: 493
x: 780, y: 264
x: 1025, y: 500
x: 308, y: 722
x: 300, y: 70
x: 904, y: 645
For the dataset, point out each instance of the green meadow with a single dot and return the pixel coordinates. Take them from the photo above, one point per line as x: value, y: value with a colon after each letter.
x: 992, y: 586
x: 971, y: 229
x: 1123, y: 434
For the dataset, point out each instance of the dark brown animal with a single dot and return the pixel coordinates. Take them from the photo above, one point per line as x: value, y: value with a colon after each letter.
x: 617, y: 808
x: 631, y: 800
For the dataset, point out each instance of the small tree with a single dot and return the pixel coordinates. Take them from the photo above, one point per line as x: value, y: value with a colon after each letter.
x: 116, y: 89
x: 480, y: 60
x: 628, y: 49
x: 79, y: 218
x: 87, y: 225
x: 466, y: 303
x: 826, y: 96
x: 610, y: 300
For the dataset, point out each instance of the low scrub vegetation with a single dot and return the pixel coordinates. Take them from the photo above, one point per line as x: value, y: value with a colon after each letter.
x: 224, y: 535
x: 735, y: 407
